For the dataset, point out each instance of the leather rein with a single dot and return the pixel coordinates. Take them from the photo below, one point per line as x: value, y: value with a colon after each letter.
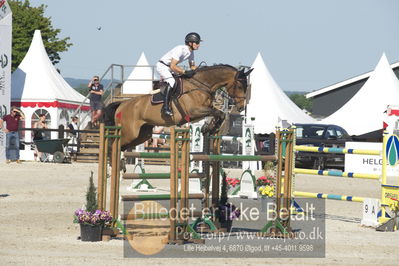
x: 211, y: 93
x: 206, y: 90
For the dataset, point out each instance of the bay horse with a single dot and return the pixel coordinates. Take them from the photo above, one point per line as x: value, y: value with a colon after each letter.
x: 138, y: 115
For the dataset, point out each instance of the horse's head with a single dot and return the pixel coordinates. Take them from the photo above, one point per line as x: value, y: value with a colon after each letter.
x: 238, y: 90
x: 224, y: 76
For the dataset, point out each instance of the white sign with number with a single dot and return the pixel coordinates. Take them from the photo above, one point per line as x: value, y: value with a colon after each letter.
x: 371, y: 208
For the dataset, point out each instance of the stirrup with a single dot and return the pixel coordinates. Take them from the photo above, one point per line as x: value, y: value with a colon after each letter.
x: 167, y: 112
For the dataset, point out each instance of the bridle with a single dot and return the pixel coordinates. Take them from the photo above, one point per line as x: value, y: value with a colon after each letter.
x: 244, y: 82
x: 223, y: 93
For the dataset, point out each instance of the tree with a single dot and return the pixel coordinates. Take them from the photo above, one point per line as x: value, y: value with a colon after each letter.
x: 82, y: 89
x: 91, y: 196
x: 26, y: 20
x: 302, y: 101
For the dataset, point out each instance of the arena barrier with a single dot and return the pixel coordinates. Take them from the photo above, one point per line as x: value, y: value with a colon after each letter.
x: 143, y: 184
x: 283, y: 197
x: 389, y: 193
x: 204, y: 157
x: 179, y: 168
x: 179, y: 158
x: 107, y: 133
x: 199, y: 142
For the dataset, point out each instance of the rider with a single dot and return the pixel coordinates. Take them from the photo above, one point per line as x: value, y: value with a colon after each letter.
x: 168, y: 64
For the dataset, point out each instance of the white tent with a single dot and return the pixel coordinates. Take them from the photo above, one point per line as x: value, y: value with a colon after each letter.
x: 269, y: 105
x: 37, y: 87
x: 140, y: 79
x: 364, y: 112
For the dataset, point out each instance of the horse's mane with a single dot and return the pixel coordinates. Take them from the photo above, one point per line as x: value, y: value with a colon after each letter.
x: 206, y: 68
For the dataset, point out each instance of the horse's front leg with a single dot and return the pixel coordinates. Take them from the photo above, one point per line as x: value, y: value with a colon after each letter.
x: 214, y: 124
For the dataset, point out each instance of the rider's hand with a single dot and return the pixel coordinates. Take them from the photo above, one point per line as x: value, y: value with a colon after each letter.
x: 188, y: 73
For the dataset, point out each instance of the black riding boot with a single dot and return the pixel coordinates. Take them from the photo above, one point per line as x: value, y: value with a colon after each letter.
x: 166, y: 100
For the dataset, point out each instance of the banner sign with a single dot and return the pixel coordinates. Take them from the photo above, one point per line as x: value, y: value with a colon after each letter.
x: 248, y: 146
x: 196, y: 144
x: 367, y: 164
x: 5, y: 67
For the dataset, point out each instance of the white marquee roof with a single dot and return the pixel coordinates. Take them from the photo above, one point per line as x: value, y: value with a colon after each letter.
x: 269, y: 104
x: 140, y: 79
x: 364, y: 112
x: 344, y: 83
x: 37, y: 80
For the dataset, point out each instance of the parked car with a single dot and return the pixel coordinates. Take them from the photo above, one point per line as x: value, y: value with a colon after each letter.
x: 321, y: 135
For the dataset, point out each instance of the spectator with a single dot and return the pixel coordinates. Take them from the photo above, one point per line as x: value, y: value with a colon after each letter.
x: 96, y: 92
x: 154, y: 142
x: 73, y: 134
x: 157, y: 141
x: 38, y: 134
x: 12, y: 134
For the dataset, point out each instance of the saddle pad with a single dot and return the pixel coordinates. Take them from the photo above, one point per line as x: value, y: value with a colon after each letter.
x: 176, y: 93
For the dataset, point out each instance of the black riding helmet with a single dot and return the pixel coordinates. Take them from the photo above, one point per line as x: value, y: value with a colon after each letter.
x: 192, y: 37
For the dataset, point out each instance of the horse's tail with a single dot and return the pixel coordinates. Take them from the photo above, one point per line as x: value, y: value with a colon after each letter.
x: 108, y: 116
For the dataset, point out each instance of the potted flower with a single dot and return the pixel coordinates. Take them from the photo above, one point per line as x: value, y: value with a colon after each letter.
x: 92, y: 223
x: 232, y: 185
x: 226, y: 214
x: 91, y: 220
x: 265, y: 189
x: 232, y: 182
x: 265, y: 186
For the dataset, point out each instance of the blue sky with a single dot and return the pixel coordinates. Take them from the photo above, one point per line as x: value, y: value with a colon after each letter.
x: 306, y: 44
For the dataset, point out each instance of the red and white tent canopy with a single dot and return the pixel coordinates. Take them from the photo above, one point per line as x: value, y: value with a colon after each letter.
x: 37, y: 83
x: 37, y: 87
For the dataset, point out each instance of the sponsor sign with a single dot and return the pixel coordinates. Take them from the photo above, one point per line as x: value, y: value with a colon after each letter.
x: 5, y: 67
x: 367, y: 164
x: 196, y: 144
x: 248, y: 142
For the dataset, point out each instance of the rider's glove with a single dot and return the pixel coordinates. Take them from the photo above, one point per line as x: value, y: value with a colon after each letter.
x: 188, y: 73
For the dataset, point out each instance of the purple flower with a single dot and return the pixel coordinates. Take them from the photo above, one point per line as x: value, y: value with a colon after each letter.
x: 94, y: 219
x: 79, y: 212
x: 84, y: 217
x: 106, y: 216
x: 98, y: 217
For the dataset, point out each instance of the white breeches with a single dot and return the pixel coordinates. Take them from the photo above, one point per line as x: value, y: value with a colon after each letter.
x: 165, y: 74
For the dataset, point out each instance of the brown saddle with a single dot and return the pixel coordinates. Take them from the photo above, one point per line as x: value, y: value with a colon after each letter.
x: 161, y: 85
